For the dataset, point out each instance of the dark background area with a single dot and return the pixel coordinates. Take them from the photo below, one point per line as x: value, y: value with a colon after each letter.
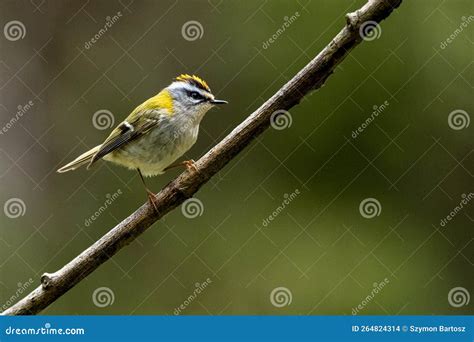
x: 326, y: 255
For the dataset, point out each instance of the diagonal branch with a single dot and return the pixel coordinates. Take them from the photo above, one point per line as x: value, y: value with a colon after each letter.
x: 359, y: 24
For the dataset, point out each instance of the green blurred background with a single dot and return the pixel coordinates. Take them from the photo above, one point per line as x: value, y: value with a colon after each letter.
x: 320, y: 249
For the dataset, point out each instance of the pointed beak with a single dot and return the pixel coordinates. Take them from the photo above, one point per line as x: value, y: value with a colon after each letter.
x: 218, y: 102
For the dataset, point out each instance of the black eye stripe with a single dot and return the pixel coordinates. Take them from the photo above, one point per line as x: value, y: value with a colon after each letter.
x: 195, y: 95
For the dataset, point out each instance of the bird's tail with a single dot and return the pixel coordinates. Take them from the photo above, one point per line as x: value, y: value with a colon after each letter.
x: 83, y: 159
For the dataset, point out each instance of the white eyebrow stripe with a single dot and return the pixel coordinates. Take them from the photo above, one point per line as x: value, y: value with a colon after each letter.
x: 188, y: 87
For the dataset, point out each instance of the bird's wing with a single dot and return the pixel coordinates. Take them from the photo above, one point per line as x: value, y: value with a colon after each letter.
x: 136, y: 125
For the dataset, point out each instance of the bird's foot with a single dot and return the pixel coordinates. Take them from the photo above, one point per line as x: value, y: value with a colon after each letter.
x: 190, y: 165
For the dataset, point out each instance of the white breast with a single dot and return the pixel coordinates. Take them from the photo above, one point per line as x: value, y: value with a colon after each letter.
x: 159, y: 148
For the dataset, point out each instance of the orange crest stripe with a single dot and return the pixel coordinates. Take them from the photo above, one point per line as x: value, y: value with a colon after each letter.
x: 194, y: 80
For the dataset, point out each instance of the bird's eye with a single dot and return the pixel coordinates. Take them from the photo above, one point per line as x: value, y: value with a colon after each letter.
x: 195, y: 95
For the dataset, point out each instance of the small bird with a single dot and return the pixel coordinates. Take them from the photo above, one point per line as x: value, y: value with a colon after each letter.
x: 157, y: 132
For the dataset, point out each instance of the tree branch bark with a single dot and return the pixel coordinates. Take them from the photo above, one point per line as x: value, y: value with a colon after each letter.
x: 311, y: 77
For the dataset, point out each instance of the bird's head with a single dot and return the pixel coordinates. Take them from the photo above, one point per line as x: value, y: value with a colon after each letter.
x: 192, y: 96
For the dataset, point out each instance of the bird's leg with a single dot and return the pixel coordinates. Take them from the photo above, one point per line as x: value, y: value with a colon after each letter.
x: 151, y: 195
x: 190, y: 165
